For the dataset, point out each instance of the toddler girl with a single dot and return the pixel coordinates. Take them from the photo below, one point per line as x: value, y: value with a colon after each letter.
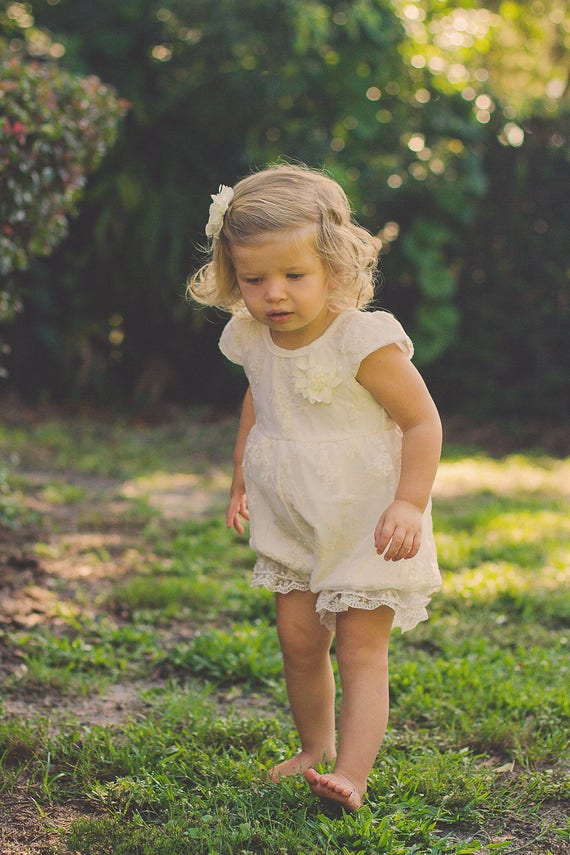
x: 336, y: 453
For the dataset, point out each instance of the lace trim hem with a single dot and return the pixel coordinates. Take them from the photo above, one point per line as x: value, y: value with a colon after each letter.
x: 409, y: 608
x: 276, y: 577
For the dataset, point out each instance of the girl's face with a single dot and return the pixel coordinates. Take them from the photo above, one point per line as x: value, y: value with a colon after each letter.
x: 285, y: 286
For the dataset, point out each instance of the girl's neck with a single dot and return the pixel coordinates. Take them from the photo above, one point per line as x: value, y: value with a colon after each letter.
x: 295, y: 339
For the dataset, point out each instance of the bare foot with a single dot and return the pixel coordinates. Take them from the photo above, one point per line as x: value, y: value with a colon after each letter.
x: 335, y: 788
x: 297, y: 765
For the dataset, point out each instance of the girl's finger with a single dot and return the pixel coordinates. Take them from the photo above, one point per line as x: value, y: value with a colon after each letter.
x: 393, y: 551
x: 232, y: 517
x: 382, y: 536
x: 407, y: 548
x: 415, y: 546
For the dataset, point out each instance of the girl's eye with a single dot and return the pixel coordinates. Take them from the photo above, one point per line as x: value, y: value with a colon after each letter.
x: 295, y: 275
x: 252, y: 280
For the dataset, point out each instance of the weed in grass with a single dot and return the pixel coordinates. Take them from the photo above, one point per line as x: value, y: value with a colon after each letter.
x: 61, y: 493
x: 13, y: 512
x: 248, y: 653
x: 453, y: 781
x: 208, y: 541
x: 115, y: 836
x: 50, y: 551
x: 203, y: 547
x: 203, y: 572
x: 169, y: 594
x: 20, y: 741
x: 20, y: 744
x: 85, y: 658
x: 118, y: 450
x: 134, y: 514
x: 524, y: 532
x: 49, y: 778
x: 158, y: 597
x: 145, y: 795
x: 497, y: 703
x: 38, y: 677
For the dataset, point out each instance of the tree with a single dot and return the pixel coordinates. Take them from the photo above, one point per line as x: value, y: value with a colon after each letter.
x: 216, y: 90
x: 414, y: 125
x: 509, y: 62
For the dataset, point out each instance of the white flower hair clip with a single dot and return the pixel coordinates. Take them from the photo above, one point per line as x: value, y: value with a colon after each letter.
x: 220, y: 204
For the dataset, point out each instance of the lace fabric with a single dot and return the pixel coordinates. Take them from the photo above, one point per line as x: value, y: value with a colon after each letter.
x: 321, y: 464
x: 409, y: 608
x: 276, y: 577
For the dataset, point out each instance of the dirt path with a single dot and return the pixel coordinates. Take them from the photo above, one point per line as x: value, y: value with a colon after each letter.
x: 67, y: 561
x: 64, y: 562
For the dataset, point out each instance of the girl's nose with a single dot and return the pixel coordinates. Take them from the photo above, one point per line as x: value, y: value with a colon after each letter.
x: 274, y: 290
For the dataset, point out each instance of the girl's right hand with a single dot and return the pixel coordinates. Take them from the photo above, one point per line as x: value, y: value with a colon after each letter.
x: 238, y: 502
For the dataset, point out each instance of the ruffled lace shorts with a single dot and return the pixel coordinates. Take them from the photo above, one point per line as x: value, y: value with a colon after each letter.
x: 409, y: 607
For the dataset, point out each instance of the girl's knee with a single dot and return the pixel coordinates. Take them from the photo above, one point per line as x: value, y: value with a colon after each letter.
x: 363, y: 637
x: 301, y: 643
x: 361, y: 654
x: 301, y: 634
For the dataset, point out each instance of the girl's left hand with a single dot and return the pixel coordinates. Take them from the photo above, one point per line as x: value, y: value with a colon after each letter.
x: 399, y: 531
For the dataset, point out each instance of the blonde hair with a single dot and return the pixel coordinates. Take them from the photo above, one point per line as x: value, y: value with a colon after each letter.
x: 290, y: 197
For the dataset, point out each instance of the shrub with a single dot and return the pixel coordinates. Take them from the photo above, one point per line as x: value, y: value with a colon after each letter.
x: 56, y: 128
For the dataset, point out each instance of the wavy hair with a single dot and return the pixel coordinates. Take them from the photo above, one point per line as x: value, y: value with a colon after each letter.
x: 288, y: 198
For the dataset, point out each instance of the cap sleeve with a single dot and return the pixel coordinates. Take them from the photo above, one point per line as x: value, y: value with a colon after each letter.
x: 232, y: 340
x: 369, y: 331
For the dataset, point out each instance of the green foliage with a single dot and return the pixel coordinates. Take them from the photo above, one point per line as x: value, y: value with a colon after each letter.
x: 72, y: 662
x: 127, y: 453
x: 475, y: 758
x: 10, y: 512
x: 245, y: 654
x: 201, y: 572
x: 447, y: 133
x: 56, y: 129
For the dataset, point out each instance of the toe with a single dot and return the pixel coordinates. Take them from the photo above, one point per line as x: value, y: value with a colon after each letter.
x: 342, y: 792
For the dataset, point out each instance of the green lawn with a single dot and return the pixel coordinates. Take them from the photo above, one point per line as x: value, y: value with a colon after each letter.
x: 142, y: 689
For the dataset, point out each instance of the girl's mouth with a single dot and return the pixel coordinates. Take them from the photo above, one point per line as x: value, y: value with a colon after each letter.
x: 279, y: 317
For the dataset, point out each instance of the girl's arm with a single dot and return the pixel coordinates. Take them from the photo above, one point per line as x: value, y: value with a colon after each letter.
x: 238, y: 500
x: 391, y: 378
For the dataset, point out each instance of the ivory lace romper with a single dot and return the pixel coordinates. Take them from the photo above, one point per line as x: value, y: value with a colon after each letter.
x: 321, y: 465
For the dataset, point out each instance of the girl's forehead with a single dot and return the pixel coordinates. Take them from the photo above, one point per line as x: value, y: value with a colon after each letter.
x: 289, y: 246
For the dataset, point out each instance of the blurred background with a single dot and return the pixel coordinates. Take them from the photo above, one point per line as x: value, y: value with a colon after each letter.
x: 446, y: 121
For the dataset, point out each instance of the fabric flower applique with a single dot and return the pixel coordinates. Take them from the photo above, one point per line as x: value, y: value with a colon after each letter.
x: 220, y: 204
x: 315, y: 380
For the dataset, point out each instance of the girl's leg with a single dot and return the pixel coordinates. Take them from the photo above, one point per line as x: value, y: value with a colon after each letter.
x: 305, y: 645
x: 362, y: 653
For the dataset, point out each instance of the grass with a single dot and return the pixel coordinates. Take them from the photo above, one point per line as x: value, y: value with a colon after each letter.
x: 159, y: 607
